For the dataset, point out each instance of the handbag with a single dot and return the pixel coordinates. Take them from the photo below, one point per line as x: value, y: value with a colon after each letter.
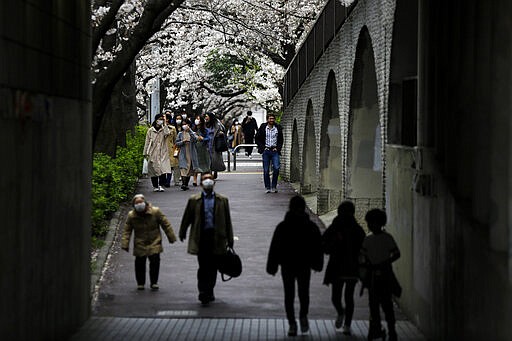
x: 176, y: 151
x: 230, y: 265
x: 220, y: 143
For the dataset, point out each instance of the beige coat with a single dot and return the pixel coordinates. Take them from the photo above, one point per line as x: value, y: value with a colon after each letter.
x: 148, y: 238
x: 157, y: 151
x: 194, y: 217
x: 171, y: 142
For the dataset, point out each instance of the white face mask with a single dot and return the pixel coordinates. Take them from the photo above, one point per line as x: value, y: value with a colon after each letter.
x: 140, y: 207
x: 178, y: 121
x: 197, y: 122
x: 160, y: 122
x: 185, y: 127
x: 208, y: 184
x: 184, y: 115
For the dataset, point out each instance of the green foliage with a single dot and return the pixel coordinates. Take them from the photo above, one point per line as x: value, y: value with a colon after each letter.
x: 229, y: 71
x: 114, y: 179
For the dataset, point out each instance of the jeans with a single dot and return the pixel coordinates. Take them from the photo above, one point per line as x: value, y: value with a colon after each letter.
x: 337, y: 289
x: 154, y: 269
x: 302, y: 276
x: 270, y: 156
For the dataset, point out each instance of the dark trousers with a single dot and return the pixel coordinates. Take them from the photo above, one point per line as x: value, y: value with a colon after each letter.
x: 154, y: 269
x: 158, y: 180
x: 302, y: 277
x: 380, y: 296
x: 249, y: 140
x: 207, y: 272
x: 337, y: 290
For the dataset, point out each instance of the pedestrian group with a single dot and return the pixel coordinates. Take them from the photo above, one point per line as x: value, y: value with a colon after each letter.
x: 297, y: 246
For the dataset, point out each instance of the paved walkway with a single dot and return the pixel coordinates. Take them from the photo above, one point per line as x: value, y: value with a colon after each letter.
x: 254, y: 299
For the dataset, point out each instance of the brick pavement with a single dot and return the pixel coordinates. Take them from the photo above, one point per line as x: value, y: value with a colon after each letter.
x: 255, y: 295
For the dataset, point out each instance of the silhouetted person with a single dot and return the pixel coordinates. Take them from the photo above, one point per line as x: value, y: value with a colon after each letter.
x: 378, y: 251
x: 145, y: 221
x: 342, y: 242
x: 249, y: 128
x: 270, y: 142
x: 296, y: 247
x: 211, y: 233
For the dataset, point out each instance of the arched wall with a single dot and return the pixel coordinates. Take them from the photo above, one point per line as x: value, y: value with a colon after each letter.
x: 295, y: 156
x: 339, y: 58
x: 309, y: 183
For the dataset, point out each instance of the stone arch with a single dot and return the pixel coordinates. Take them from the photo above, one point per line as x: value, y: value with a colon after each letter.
x: 364, y: 178
x: 330, y: 167
x: 309, y: 183
x: 294, y: 155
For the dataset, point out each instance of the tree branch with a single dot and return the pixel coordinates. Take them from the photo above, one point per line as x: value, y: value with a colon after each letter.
x: 99, y: 31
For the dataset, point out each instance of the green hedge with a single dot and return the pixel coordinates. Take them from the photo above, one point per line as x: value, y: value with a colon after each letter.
x: 114, y: 179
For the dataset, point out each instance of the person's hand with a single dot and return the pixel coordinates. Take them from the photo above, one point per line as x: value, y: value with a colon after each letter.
x: 126, y: 249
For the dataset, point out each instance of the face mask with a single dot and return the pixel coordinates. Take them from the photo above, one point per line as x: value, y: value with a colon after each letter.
x: 185, y: 127
x: 159, y: 122
x: 140, y: 207
x: 197, y: 122
x: 208, y: 184
x: 184, y: 115
x: 178, y: 121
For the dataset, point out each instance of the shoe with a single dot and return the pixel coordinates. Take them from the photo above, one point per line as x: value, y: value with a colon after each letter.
x: 304, y: 325
x: 346, y: 330
x: 154, y: 287
x: 140, y: 287
x: 339, y: 321
x: 206, y: 299
x: 184, y: 188
x: 155, y: 189
x: 250, y: 156
x: 292, y: 330
x: 267, y: 190
x: 274, y: 190
x: 161, y: 189
x: 194, y: 184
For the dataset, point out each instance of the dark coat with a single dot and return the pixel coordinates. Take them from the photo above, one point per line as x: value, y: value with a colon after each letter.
x: 249, y: 127
x: 296, y: 244
x: 342, y: 242
x: 261, y: 136
x: 194, y: 217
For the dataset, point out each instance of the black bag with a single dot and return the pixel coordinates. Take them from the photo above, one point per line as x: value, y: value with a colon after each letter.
x: 230, y: 265
x: 220, y: 143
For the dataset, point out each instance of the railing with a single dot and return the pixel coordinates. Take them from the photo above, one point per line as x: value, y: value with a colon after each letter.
x: 233, y: 151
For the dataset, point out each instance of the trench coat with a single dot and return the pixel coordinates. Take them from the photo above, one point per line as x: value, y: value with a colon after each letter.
x: 183, y: 156
x: 146, y: 228
x: 237, y: 136
x: 217, y: 162
x: 194, y: 217
x: 157, y: 151
x: 171, y: 142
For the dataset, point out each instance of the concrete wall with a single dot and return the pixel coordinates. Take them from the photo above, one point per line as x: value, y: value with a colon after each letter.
x: 45, y: 134
x: 449, y: 195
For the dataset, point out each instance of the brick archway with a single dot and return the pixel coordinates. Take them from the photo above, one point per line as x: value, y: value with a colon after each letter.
x: 364, y: 180
x: 309, y: 183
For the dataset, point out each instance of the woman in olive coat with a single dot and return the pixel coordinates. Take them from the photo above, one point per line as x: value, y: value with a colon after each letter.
x: 145, y: 221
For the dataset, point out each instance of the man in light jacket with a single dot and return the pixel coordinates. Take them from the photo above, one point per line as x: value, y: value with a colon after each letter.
x: 211, y: 233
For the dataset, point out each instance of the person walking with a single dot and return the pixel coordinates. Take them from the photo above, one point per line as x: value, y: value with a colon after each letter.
x: 270, y: 142
x: 203, y: 156
x: 378, y: 252
x: 214, y: 129
x: 236, y: 133
x: 175, y: 162
x: 296, y: 247
x: 186, y: 141
x: 171, y: 145
x: 342, y: 242
x: 211, y: 233
x: 156, y: 151
x: 145, y: 221
x: 249, y: 129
